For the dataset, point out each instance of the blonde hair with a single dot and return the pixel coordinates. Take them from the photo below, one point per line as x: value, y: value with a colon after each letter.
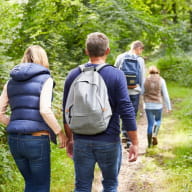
x: 96, y: 44
x: 153, y: 70
x: 136, y: 44
x: 35, y: 54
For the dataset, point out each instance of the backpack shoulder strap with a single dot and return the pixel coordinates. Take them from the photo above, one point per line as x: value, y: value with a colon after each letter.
x: 100, y: 66
x: 82, y: 66
x: 131, y: 57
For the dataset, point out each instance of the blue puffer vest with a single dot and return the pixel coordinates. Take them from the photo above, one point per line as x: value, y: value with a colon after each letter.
x: 24, y: 89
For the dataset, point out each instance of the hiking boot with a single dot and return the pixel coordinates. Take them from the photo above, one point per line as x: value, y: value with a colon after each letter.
x: 149, y: 138
x: 154, y: 140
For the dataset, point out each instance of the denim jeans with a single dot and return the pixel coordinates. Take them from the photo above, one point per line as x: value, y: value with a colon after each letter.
x: 135, y: 102
x: 32, y: 157
x: 86, y: 154
x: 153, y: 118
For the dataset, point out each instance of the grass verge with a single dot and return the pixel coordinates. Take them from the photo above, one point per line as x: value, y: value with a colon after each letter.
x: 170, y: 163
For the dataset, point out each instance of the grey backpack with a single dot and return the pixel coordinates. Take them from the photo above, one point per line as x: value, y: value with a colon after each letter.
x: 87, y: 109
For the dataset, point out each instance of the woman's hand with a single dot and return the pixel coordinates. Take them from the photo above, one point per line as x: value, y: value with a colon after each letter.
x: 62, y: 139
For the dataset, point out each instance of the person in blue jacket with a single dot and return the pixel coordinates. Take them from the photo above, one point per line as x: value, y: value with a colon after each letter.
x: 103, y: 148
x: 32, y: 123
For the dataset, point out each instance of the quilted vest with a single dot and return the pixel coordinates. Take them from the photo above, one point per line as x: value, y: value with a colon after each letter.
x: 152, y: 87
x: 24, y: 89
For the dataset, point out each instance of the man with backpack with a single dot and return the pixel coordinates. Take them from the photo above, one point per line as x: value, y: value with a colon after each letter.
x: 133, y: 66
x: 94, y: 101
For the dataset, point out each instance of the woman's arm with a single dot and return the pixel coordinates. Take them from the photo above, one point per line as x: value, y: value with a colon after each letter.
x: 47, y: 113
x: 4, y: 102
x: 165, y: 95
x: 45, y: 106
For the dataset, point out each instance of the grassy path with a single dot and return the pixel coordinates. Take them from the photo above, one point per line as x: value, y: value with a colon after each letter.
x: 140, y: 176
x: 164, y: 168
x: 128, y: 173
x: 156, y: 169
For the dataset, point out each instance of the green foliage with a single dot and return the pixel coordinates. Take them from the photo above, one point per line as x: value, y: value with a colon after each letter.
x: 181, y: 99
x: 176, y: 68
x: 181, y: 138
x: 6, y: 171
x: 61, y: 28
x: 10, y: 17
x: 62, y: 172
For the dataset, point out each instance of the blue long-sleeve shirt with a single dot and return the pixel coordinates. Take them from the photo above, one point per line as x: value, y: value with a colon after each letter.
x: 119, y: 101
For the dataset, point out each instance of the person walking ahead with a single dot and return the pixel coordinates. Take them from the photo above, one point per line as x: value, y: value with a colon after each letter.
x: 123, y: 62
x: 155, y: 92
x: 103, y: 148
x: 32, y: 122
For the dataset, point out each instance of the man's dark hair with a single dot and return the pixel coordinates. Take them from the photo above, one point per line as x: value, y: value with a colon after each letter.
x: 96, y: 44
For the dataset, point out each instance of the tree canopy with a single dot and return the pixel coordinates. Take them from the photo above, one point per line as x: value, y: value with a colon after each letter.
x: 61, y: 26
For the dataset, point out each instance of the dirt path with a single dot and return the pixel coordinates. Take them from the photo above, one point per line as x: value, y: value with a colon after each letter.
x: 127, y: 180
x: 127, y: 176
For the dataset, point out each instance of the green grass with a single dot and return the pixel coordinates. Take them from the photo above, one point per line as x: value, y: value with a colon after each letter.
x: 62, y: 174
x: 169, y: 165
x: 173, y: 155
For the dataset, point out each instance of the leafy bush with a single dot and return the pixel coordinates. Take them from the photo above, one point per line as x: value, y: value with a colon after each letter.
x: 176, y: 68
x: 8, y: 173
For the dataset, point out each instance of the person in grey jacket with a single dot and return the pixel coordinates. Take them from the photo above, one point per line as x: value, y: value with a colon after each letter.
x: 135, y: 52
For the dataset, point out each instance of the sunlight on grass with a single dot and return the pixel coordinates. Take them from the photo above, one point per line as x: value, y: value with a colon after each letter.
x: 177, y: 91
x: 62, y: 171
x: 177, y: 160
x: 170, y: 162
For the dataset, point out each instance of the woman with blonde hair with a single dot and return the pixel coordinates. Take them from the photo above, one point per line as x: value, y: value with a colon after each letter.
x: 155, y: 92
x: 32, y: 123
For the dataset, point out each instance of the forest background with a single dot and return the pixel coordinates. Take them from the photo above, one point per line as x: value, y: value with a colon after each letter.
x: 61, y: 27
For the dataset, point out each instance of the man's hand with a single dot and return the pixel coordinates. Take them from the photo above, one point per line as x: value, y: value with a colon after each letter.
x: 133, y: 152
x: 133, y: 149
x: 69, y: 148
x: 69, y: 143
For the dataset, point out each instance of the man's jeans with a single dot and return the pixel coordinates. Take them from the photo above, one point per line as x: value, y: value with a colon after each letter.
x: 32, y: 156
x: 153, y: 118
x: 135, y: 102
x: 108, y: 156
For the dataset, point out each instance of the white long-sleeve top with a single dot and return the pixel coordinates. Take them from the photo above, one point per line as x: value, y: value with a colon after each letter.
x: 45, y: 106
